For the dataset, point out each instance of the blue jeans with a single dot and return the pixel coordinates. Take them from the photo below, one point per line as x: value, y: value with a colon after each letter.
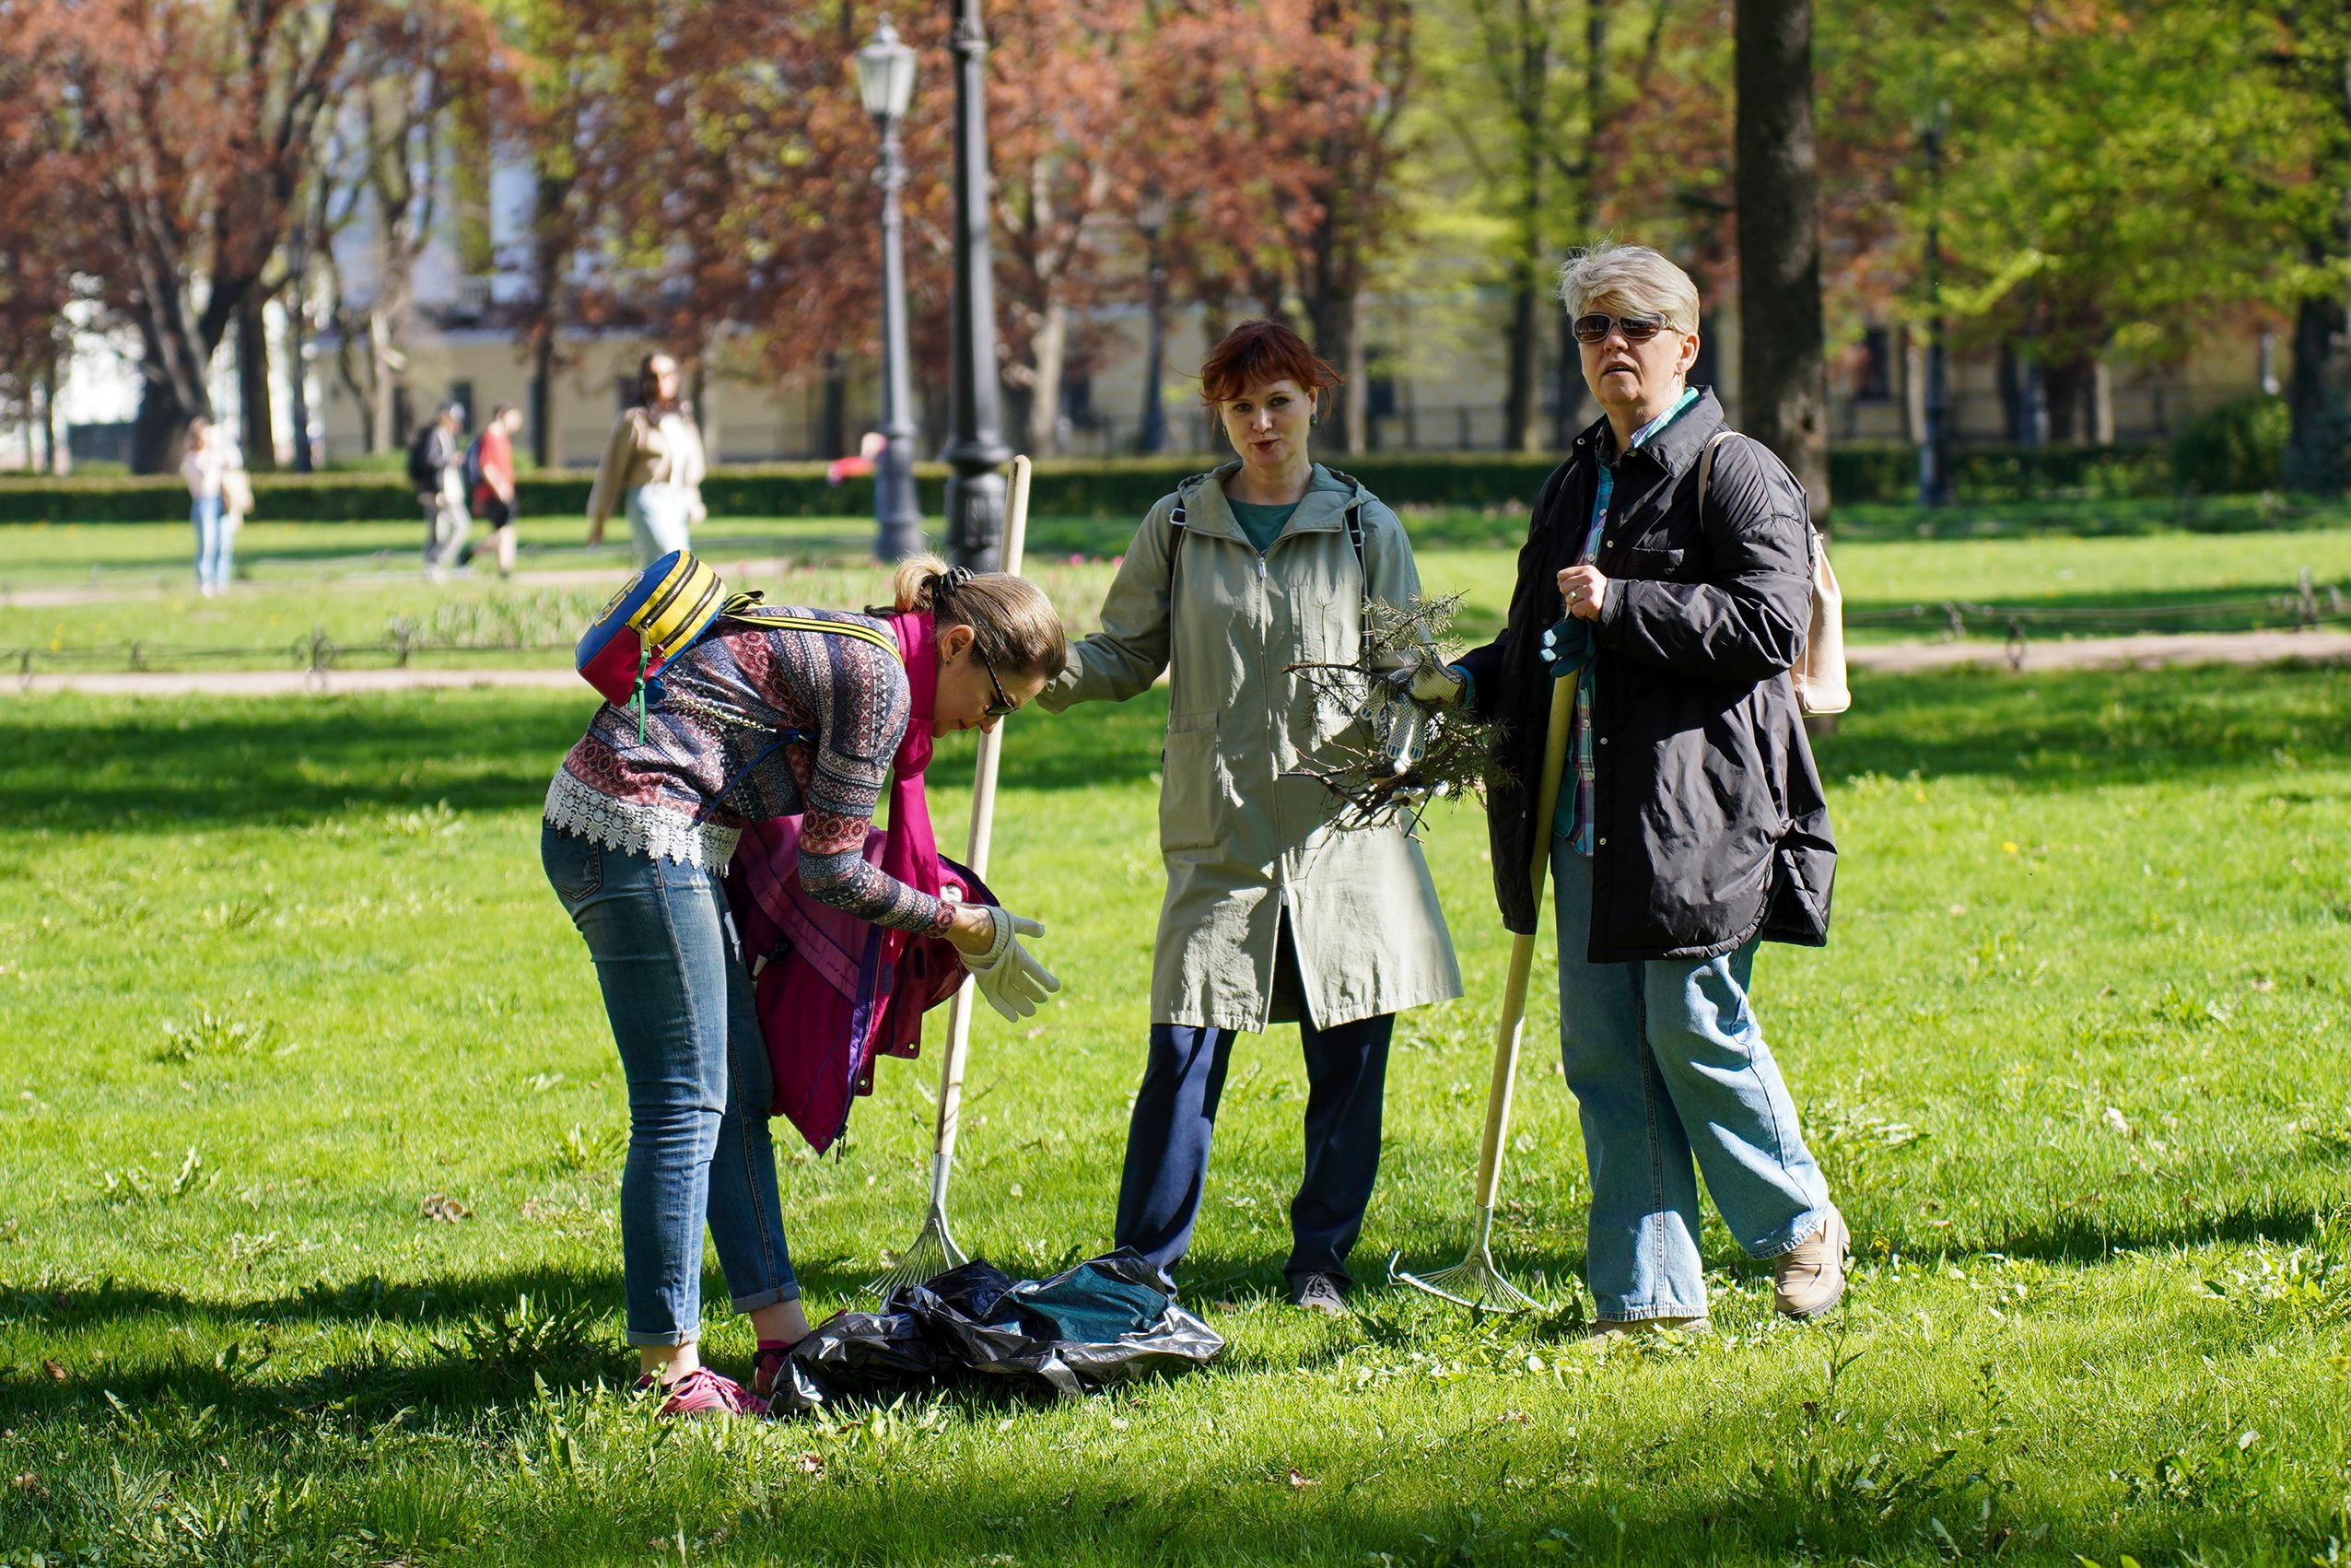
x: 216, y: 541
x: 699, y: 1084
x: 1175, y: 1115
x: 1668, y: 1062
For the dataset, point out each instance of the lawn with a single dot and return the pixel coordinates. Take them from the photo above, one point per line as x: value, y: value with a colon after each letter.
x: 277, y: 974
x: 356, y: 587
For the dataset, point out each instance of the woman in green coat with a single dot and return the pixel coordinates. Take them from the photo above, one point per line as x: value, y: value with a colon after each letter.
x: 1273, y: 913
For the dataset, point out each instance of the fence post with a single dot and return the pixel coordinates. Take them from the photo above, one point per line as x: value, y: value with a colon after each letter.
x: 2016, y: 643
x: 2309, y: 601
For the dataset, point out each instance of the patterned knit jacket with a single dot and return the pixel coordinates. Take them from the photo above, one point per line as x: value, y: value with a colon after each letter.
x: 747, y: 724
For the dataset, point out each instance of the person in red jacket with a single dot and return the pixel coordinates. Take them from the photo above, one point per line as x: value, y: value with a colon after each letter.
x: 492, y: 462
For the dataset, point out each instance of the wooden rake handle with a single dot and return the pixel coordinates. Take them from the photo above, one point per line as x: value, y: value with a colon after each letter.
x: 1522, y: 950
x: 983, y: 821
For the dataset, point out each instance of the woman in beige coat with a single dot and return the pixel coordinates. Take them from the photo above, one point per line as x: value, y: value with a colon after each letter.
x: 1272, y: 912
x: 652, y: 468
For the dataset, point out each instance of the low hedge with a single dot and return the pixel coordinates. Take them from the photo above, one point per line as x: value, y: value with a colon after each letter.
x: 1118, y: 487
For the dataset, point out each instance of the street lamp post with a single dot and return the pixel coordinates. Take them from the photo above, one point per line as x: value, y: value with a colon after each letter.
x: 975, y: 487
x: 1151, y: 216
x: 885, y: 81
x: 1934, y: 448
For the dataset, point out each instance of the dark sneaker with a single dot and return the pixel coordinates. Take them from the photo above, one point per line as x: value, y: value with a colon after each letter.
x: 1326, y: 1293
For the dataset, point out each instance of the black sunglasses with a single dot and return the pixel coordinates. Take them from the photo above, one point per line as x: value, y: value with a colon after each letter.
x: 1595, y: 328
x: 1003, y: 705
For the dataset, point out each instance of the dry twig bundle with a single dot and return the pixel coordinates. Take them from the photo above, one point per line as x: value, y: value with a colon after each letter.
x: 1396, y: 755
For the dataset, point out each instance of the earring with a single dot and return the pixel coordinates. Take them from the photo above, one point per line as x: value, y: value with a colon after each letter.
x: 1313, y: 419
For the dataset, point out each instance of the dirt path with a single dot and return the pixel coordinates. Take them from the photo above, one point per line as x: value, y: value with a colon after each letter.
x: 2144, y: 653
x: 612, y: 575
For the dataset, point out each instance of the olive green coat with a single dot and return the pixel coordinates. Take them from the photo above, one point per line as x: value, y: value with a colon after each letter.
x: 1243, y: 840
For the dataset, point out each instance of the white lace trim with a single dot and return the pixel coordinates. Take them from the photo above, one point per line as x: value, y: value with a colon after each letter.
x: 651, y: 831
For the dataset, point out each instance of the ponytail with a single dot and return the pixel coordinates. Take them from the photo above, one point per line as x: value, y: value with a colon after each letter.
x: 1010, y: 619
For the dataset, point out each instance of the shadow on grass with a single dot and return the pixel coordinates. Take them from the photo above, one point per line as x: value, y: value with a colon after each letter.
x: 2090, y: 728
x: 114, y: 764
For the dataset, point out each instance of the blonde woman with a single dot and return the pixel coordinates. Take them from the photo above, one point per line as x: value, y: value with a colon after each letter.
x: 218, y: 497
x: 755, y: 721
x: 653, y: 466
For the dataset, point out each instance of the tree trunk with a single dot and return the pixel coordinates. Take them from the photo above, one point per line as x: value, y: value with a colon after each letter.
x: 1337, y: 339
x: 2313, y: 462
x: 49, y: 463
x: 384, y: 376
x: 2068, y: 387
x: 258, y: 431
x: 1049, y: 353
x: 1784, y: 379
x: 1522, y: 408
x: 542, y: 399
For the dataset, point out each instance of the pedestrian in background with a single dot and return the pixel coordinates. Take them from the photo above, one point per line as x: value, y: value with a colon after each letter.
x: 433, y: 468
x: 1690, y: 820
x: 490, y: 463
x: 1273, y: 913
x: 218, y: 497
x: 653, y: 466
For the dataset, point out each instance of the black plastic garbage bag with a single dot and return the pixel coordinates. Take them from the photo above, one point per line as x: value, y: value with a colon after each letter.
x: 1105, y: 1321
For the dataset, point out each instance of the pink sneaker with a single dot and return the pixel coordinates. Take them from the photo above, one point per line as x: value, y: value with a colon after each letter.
x: 766, y: 1367
x: 703, y: 1392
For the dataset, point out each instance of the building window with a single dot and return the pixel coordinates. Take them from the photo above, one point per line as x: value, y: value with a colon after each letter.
x: 461, y: 394
x: 1876, y: 381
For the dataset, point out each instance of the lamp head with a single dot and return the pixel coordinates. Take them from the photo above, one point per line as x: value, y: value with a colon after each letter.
x: 886, y: 73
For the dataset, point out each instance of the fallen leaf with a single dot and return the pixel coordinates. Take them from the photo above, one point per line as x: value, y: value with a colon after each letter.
x: 442, y: 1207
x: 31, y: 1482
x: 2114, y: 1119
x: 810, y: 1464
x: 56, y: 1373
x: 1298, y: 1479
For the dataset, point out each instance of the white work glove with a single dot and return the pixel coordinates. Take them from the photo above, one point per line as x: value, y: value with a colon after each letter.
x: 1012, y: 980
x: 1439, y: 687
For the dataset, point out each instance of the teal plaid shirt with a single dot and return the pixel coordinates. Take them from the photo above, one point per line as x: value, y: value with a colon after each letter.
x: 1572, y: 820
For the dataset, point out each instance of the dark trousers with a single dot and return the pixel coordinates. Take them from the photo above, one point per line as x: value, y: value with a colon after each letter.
x: 1167, y: 1140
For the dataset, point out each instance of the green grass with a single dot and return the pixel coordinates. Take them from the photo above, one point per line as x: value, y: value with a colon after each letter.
x: 323, y: 579
x: 276, y: 974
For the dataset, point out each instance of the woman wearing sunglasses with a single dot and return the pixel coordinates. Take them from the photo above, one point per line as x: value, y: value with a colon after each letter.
x: 1690, y: 819
x: 751, y: 722
x: 1272, y: 914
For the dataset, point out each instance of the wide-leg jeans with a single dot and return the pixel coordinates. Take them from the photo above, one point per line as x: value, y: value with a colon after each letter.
x: 1668, y: 1065
x: 699, y: 1084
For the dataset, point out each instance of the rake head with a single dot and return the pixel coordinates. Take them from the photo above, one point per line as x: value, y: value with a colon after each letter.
x: 1474, y: 1282
x: 932, y: 1253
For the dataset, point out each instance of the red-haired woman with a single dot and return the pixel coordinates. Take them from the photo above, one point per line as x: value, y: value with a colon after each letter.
x: 1273, y: 913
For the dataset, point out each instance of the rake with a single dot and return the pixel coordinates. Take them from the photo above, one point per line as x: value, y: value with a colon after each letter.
x: 1475, y: 1282
x: 933, y: 1250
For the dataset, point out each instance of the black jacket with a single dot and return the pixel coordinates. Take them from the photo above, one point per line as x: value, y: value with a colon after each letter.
x: 1708, y: 812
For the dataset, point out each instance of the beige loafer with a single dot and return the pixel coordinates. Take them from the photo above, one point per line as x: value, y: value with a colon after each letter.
x: 1809, y: 1278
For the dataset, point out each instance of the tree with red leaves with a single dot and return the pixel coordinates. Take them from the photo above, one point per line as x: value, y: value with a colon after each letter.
x: 194, y: 129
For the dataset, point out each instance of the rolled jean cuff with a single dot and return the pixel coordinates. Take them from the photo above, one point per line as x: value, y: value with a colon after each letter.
x: 1647, y: 1314
x: 787, y: 1291
x: 670, y: 1339
x: 1790, y: 1236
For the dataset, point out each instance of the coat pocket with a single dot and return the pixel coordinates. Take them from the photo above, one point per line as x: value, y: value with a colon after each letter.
x: 1192, y: 787
x: 1651, y: 566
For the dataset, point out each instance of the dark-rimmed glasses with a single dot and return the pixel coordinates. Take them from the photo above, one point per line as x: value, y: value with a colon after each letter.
x: 1594, y: 328
x: 1003, y: 707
